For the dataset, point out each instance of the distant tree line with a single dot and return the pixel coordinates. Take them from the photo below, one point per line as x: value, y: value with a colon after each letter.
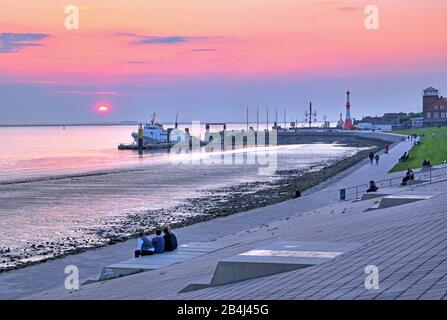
x: 390, y: 118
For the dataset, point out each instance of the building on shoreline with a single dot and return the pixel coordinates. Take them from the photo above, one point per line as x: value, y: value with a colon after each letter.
x: 417, y: 122
x: 434, y: 108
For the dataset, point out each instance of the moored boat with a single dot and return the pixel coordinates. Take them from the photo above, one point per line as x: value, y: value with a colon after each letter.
x: 155, y: 134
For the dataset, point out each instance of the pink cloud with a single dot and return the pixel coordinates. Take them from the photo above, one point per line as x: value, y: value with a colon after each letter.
x: 81, y: 92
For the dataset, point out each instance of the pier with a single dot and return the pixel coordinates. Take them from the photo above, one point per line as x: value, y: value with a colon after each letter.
x: 225, y: 139
x: 145, y: 147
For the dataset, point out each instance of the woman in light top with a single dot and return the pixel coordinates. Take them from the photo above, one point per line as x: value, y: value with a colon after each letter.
x: 144, y: 246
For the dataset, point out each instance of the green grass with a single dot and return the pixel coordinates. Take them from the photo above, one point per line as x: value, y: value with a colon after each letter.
x: 434, y: 149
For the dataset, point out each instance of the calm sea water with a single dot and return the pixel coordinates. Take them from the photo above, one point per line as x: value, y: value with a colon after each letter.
x: 52, y: 210
x: 41, y: 151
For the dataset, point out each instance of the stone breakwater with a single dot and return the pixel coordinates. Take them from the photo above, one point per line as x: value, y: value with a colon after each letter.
x: 226, y: 201
x: 213, y: 203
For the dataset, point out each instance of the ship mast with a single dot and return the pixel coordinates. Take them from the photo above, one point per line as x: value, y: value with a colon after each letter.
x: 153, y: 118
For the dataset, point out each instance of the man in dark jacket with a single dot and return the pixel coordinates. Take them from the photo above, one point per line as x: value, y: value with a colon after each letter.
x: 372, y: 187
x: 170, y: 239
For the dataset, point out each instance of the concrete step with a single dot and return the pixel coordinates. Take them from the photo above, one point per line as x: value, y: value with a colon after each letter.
x: 397, y: 200
x: 274, y: 258
x: 147, y: 263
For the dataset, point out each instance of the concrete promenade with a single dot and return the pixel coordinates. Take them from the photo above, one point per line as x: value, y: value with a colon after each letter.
x: 315, y: 216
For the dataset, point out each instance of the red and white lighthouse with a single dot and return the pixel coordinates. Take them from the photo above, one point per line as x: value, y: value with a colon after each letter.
x: 348, y: 122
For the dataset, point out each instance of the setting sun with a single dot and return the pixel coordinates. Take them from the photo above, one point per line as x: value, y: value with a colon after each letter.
x: 102, y: 109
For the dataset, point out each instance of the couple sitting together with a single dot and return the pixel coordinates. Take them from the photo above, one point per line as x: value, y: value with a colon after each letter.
x: 158, y: 244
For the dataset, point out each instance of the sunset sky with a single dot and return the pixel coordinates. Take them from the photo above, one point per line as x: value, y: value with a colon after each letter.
x: 210, y: 59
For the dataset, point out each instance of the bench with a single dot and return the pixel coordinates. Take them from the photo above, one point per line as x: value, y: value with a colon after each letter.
x: 413, y: 182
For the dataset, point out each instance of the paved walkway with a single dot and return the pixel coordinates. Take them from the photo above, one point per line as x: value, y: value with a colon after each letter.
x: 408, y: 244
x: 50, y: 275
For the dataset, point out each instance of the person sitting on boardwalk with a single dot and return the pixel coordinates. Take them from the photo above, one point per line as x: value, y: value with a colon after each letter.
x: 411, y: 173
x: 408, y: 176
x: 144, y: 246
x: 404, y: 157
x: 170, y: 239
x: 417, y: 141
x: 401, y: 159
x: 158, y: 241
x: 372, y: 187
x: 426, y: 163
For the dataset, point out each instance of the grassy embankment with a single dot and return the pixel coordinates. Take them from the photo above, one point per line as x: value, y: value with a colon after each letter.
x: 434, y: 148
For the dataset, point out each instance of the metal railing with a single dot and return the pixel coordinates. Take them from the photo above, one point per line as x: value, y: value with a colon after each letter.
x: 423, y: 176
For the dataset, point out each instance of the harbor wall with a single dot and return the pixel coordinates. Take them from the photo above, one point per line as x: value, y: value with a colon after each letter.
x: 251, y: 138
x: 331, y: 136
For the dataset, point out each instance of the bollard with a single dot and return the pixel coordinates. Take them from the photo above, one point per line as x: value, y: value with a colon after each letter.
x: 140, y: 136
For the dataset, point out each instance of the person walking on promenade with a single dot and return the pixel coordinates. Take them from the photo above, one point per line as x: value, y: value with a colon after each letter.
x: 371, y: 157
x: 377, y: 158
